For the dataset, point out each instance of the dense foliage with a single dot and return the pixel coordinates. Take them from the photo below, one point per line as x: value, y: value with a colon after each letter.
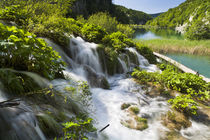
x: 192, y: 13
x: 77, y: 128
x: 192, y: 85
x: 129, y: 16
x: 21, y: 50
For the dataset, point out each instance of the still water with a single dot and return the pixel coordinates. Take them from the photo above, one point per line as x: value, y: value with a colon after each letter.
x: 195, y: 62
x: 148, y: 34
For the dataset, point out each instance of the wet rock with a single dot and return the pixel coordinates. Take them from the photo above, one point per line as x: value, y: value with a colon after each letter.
x: 125, y: 105
x: 175, y: 120
x: 94, y: 79
x: 18, y: 122
x: 49, y: 125
x: 173, y: 135
x: 134, y: 121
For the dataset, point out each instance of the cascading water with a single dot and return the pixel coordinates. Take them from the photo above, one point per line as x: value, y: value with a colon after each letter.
x: 107, y: 103
x: 84, y: 64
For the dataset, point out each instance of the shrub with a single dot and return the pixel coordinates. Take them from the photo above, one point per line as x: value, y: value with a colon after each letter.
x: 118, y: 41
x: 21, y: 50
x: 145, y: 77
x: 93, y: 33
x: 14, y: 13
x: 77, y: 128
x: 104, y: 20
x: 125, y: 29
x: 184, y: 103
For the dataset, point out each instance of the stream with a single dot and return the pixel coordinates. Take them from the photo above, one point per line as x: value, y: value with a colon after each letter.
x: 84, y: 64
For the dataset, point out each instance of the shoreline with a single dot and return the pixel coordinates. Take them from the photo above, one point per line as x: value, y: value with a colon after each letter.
x: 179, y: 65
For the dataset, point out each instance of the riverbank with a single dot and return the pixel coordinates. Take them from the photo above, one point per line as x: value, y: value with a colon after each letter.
x: 180, y: 66
x: 198, y: 47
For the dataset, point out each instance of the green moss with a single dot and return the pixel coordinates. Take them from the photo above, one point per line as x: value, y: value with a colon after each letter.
x: 134, y: 110
x: 124, y: 106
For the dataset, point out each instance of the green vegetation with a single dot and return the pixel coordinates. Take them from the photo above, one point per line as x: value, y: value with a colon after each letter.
x: 129, y: 16
x: 110, y: 24
x: 199, y: 47
x: 192, y: 13
x: 184, y: 103
x: 134, y: 110
x: 21, y: 50
x: 192, y: 85
x: 93, y: 33
x: 78, y: 128
x: 124, y: 106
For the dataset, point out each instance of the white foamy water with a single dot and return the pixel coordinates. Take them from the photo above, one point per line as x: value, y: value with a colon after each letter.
x: 108, y: 110
x: 85, y: 53
x: 107, y: 103
x: 197, y: 131
x: 2, y: 96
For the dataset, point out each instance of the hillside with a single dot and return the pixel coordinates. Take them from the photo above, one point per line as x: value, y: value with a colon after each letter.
x: 130, y: 16
x: 156, y: 14
x: 123, y: 14
x: 192, y: 17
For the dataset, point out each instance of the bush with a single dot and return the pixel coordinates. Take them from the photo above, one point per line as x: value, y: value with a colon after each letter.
x: 145, y: 77
x: 104, y: 20
x: 118, y: 41
x: 171, y: 78
x: 125, y: 29
x: 185, y: 104
x: 21, y: 50
x: 14, y: 13
x: 15, y: 82
x: 77, y: 128
x: 93, y: 33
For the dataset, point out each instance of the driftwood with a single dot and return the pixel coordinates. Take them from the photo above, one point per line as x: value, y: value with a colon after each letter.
x: 10, y: 103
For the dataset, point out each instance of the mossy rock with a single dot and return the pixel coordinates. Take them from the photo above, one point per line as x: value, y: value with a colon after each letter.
x: 138, y: 123
x: 175, y: 120
x: 48, y: 125
x: 173, y: 135
x: 125, y: 105
x: 141, y: 123
x: 134, y: 110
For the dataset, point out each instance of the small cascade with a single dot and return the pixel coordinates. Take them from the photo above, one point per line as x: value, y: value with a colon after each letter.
x: 123, y: 64
x: 108, y: 103
x: 143, y: 62
x: 17, y: 121
x: 85, y: 53
x: 197, y: 131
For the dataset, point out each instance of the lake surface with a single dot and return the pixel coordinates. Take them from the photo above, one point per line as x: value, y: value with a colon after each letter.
x: 145, y: 34
x: 196, y: 63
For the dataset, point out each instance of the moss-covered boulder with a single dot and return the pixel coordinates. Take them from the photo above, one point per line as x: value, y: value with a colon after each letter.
x: 174, y: 120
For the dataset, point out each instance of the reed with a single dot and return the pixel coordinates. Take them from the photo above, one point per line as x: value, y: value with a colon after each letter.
x: 198, y: 47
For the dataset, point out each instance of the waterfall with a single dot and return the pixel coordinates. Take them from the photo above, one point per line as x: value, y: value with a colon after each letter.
x: 123, y: 64
x: 143, y: 63
x: 83, y: 64
x: 85, y: 53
